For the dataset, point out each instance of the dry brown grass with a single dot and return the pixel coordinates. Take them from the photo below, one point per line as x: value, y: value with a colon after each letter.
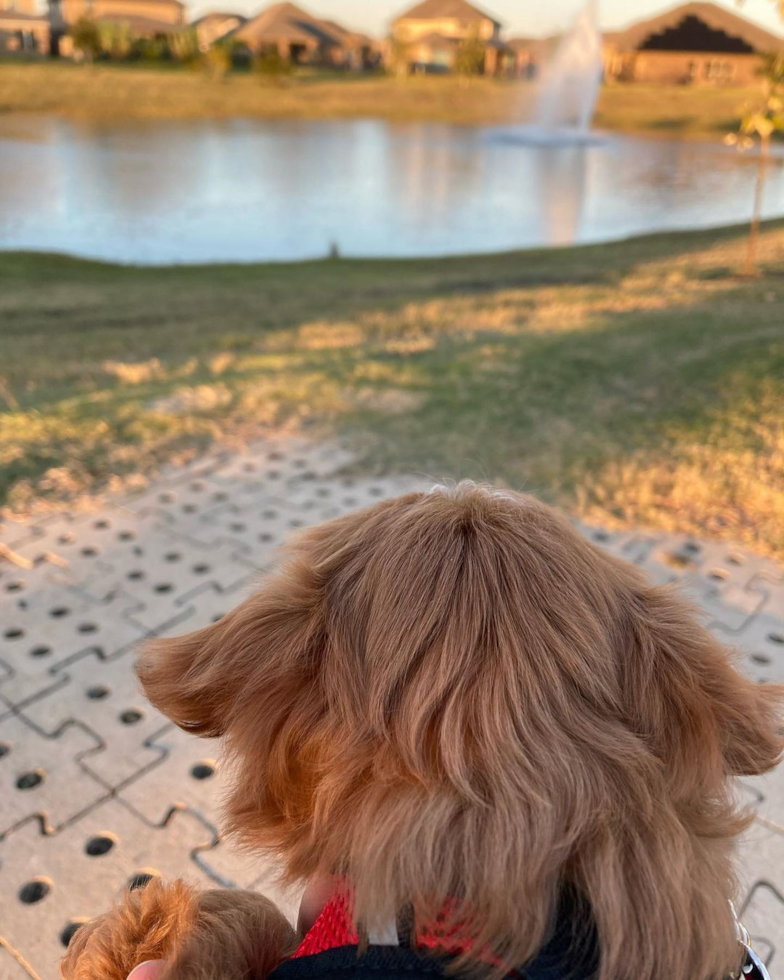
x: 640, y: 383
x: 115, y: 92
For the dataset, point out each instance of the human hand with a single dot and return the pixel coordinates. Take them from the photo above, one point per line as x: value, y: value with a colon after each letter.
x: 151, y: 970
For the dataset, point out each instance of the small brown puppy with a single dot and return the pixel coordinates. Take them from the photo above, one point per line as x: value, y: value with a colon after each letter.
x: 454, y: 699
x: 201, y: 935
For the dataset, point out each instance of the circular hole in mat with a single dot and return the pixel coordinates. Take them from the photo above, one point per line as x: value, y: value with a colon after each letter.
x: 99, y: 845
x: 34, y: 891
x: 70, y: 931
x: 203, y: 770
x: 31, y: 779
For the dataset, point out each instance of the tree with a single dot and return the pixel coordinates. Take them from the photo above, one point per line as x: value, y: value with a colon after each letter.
x: 184, y: 46
x: 271, y: 64
x: 758, y: 126
x: 116, y: 39
x: 471, y: 55
x: 218, y: 59
x: 86, y: 38
x: 400, y: 58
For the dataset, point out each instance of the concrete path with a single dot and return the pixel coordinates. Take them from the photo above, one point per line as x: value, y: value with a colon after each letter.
x: 97, y: 789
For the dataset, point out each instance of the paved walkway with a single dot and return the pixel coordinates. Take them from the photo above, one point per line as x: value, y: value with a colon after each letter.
x: 97, y: 788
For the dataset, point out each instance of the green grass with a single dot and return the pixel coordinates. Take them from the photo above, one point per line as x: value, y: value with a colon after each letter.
x: 132, y: 91
x: 635, y: 383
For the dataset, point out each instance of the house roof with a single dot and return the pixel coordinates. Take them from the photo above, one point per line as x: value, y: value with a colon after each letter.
x: 438, y: 9
x: 122, y: 3
x: 344, y: 35
x: 219, y: 16
x: 287, y: 22
x: 717, y: 18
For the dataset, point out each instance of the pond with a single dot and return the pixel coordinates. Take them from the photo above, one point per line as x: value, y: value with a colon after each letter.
x: 202, y: 191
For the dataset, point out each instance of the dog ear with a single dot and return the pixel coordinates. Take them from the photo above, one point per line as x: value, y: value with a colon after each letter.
x: 255, y: 659
x: 198, y: 679
x: 701, y: 716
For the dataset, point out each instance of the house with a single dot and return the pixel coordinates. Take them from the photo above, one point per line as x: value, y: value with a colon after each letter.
x: 361, y: 51
x: 22, y: 30
x: 140, y: 18
x: 692, y: 44
x: 528, y: 55
x: 299, y: 36
x: 428, y: 36
x: 216, y: 25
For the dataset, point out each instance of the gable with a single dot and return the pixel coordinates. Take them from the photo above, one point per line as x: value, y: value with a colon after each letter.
x: 696, y: 26
x: 693, y: 34
x: 443, y: 9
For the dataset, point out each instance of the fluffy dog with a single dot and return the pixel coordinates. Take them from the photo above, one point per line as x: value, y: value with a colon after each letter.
x: 456, y: 702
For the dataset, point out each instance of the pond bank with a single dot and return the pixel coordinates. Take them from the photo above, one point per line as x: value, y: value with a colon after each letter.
x: 132, y: 92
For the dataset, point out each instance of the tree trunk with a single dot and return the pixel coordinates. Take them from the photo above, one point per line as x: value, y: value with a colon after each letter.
x: 759, y: 196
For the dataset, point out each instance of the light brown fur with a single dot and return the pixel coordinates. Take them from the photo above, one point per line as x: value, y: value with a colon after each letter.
x: 454, y: 694
x: 207, y: 935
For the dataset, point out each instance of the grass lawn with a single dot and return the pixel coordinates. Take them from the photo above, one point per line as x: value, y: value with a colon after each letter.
x: 639, y: 382
x: 127, y: 91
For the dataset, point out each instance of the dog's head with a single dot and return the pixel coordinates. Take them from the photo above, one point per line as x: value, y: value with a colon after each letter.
x: 201, y: 935
x: 454, y: 694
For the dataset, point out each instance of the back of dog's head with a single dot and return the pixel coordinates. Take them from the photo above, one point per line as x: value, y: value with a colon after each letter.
x: 454, y: 694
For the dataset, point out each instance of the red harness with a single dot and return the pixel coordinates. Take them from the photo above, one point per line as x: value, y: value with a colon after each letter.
x: 334, y: 928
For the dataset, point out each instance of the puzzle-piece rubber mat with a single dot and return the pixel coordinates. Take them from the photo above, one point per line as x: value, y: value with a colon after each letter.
x: 79, y: 593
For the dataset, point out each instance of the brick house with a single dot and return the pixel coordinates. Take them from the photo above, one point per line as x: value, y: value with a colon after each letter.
x: 692, y: 44
x: 428, y: 36
x: 303, y: 38
x: 22, y: 30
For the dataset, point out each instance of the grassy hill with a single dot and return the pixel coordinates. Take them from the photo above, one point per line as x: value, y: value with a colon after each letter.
x: 635, y: 383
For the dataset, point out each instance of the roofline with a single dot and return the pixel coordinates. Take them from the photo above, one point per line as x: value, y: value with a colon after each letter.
x: 480, y: 10
x: 628, y: 38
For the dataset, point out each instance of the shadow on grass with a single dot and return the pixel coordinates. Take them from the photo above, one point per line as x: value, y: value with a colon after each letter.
x: 445, y: 367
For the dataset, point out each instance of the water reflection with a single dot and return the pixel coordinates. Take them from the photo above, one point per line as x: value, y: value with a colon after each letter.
x: 236, y: 189
x: 562, y: 174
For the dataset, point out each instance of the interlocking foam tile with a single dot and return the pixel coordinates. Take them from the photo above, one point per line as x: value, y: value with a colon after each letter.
x: 763, y: 914
x: 235, y: 868
x: 188, y: 776
x: 714, y: 559
x: 74, y: 543
x: 766, y: 795
x: 761, y: 642
x: 43, y: 777
x: 13, y: 965
x: 631, y: 546
x: 18, y: 581
x: 272, y: 463
x: 105, y: 696
x: 208, y: 604
x: 259, y: 523
x: 180, y: 507
x: 728, y: 607
x: 13, y: 531
x: 164, y: 569
x: 48, y: 883
x: 760, y: 864
x: 52, y: 625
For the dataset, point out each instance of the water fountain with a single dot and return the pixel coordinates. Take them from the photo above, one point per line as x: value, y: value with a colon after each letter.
x: 569, y: 87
